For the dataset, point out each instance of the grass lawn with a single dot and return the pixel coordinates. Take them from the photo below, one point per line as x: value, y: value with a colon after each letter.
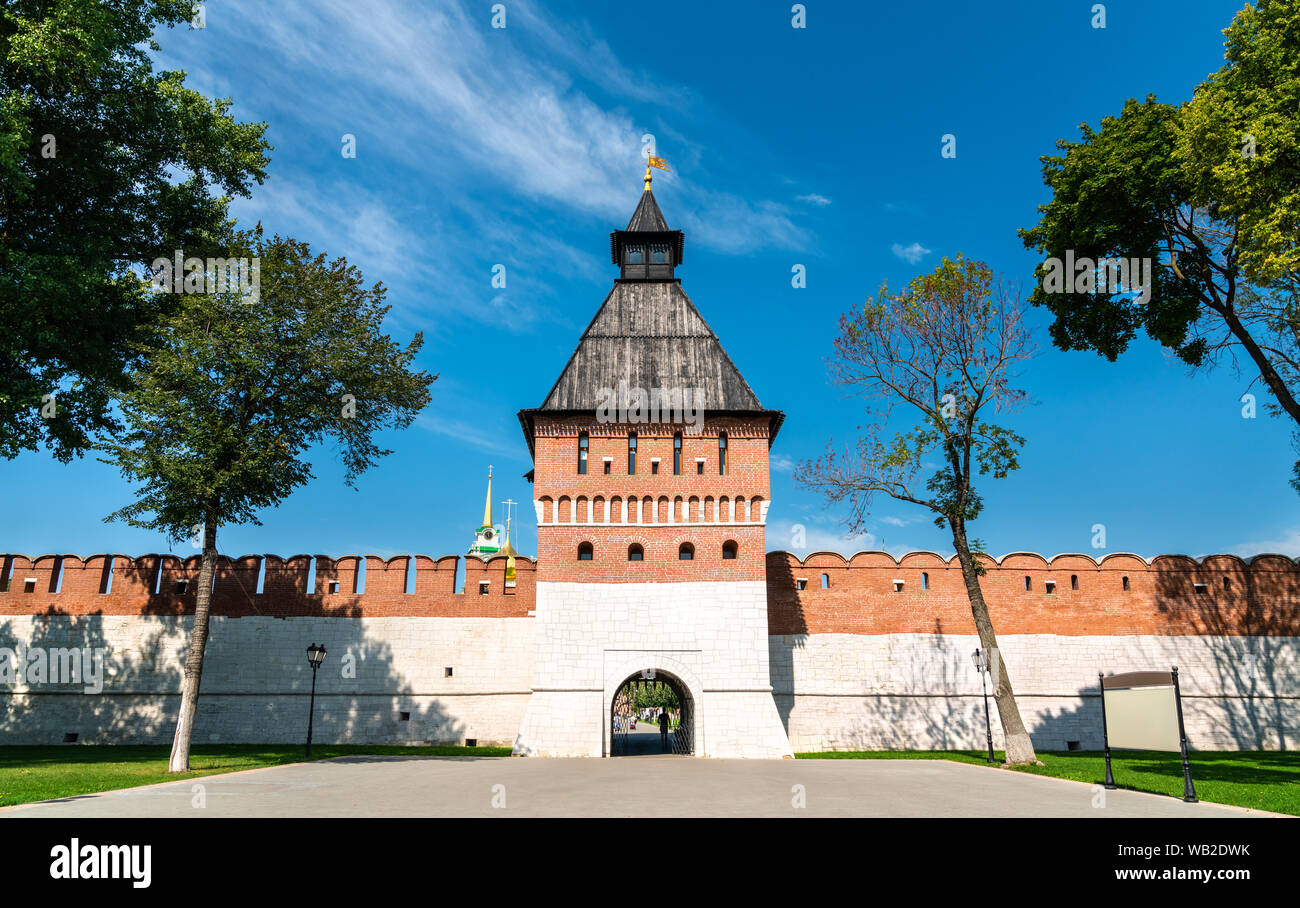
x: 40, y: 773
x: 1266, y: 780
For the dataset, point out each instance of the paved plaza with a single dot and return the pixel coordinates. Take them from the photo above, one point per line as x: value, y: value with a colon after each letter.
x: 642, y: 786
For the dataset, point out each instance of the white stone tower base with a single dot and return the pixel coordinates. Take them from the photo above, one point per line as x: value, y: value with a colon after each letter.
x: 710, y: 638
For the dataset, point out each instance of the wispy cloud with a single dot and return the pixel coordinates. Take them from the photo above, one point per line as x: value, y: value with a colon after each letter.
x: 442, y: 88
x: 781, y: 464
x: 813, y: 198
x: 912, y: 254
x: 802, y: 537
x: 472, y: 435
x: 1287, y: 544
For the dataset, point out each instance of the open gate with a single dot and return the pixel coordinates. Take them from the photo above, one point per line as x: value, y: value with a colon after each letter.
x: 654, y: 691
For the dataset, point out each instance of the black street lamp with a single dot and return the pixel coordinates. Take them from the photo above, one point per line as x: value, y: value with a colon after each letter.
x: 981, y: 660
x: 315, y: 656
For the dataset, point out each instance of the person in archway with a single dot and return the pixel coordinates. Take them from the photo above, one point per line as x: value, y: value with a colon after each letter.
x: 664, y: 723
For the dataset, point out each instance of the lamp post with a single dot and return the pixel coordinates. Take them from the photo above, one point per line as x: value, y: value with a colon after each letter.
x: 315, y: 656
x: 981, y: 660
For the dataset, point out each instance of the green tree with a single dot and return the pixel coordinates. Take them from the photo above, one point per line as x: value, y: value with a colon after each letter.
x: 231, y: 397
x: 943, y: 353
x: 1209, y: 193
x: 105, y: 165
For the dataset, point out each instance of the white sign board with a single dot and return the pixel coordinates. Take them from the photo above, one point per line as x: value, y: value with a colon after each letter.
x: 1142, y: 718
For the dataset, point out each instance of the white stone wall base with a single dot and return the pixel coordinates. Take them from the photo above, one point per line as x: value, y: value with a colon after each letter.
x: 728, y: 724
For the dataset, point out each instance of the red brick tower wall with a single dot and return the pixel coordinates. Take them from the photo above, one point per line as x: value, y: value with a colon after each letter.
x: 579, y: 502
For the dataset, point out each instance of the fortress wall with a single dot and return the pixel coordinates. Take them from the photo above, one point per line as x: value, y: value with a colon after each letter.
x: 256, y: 679
x: 859, y: 665
x: 151, y: 585
x: 855, y: 665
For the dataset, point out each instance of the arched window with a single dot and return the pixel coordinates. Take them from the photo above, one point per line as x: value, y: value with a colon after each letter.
x: 631, y: 454
x: 1028, y: 584
x: 585, y: 551
x: 722, y: 453
x: 635, y: 552
x: 583, y: 443
x: 686, y: 552
x: 633, y: 255
x: 925, y: 581
x: 1125, y: 583
x: 728, y: 550
x: 1074, y: 581
x: 826, y: 581
x: 677, y: 454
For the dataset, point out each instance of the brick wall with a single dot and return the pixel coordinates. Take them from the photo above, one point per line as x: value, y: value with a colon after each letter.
x: 1088, y: 598
x: 658, y: 511
x: 150, y: 585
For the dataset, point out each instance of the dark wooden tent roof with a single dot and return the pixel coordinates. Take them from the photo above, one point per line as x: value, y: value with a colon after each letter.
x: 647, y: 215
x: 648, y: 334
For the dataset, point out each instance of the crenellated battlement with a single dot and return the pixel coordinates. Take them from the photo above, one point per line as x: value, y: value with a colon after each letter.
x: 1067, y: 595
x: 351, y: 586
x: 868, y: 593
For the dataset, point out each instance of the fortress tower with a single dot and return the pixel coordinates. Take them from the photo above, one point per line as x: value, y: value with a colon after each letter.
x: 651, y: 489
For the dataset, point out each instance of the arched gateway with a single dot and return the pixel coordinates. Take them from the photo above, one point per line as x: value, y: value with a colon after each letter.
x: 651, y: 490
x: 652, y: 712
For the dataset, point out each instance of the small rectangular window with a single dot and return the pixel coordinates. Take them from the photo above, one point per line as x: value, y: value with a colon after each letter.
x: 334, y: 586
x: 801, y: 583
x: 1201, y: 587
x: 608, y: 466
x: 631, y: 454
x: 447, y: 672
x: 404, y: 717
x: 483, y: 587
x: 699, y: 467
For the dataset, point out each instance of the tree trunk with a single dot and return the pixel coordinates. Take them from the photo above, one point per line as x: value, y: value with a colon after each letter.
x: 1285, y: 399
x: 180, y: 759
x: 1019, y: 748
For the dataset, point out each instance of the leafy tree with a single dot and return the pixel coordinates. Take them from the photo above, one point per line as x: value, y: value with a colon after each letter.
x: 1209, y: 193
x: 943, y: 352
x: 105, y: 165
x: 227, y: 403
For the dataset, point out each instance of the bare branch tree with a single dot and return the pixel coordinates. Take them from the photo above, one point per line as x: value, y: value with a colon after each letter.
x: 944, y: 353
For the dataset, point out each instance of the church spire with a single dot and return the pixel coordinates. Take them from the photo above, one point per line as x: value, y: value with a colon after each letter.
x: 486, y: 544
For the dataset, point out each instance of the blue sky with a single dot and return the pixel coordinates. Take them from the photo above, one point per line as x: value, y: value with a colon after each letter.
x: 819, y: 146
